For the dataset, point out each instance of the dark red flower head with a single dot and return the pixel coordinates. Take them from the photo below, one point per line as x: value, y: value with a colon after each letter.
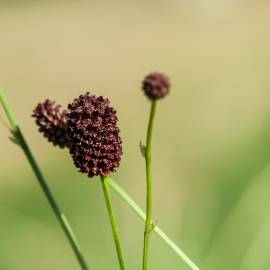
x: 95, y: 144
x: 50, y: 119
x: 156, y: 85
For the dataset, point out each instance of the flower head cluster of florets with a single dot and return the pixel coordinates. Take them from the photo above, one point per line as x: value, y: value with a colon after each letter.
x: 51, y: 121
x: 95, y: 144
x: 156, y: 85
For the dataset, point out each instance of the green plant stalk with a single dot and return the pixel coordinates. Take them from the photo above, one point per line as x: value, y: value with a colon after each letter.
x: 42, y: 182
x: 148, y: 162
x: 108, y: 200
x: 134, y: 206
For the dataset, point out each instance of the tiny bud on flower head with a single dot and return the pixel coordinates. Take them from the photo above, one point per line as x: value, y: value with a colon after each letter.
x: 95, y: 144
x: 50, y: 119
x: 156, y: 85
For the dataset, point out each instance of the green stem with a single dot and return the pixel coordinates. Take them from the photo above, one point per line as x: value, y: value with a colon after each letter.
x: 42, y: 182
x: 132, y: 204
x: 108, y: 201
x: 148, y: 162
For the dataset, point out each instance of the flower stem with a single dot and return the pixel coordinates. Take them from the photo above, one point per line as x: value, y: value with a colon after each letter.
x: 148, y: 162
x: 42, y: 182
x: 132, y: 204
x: 107, y: 196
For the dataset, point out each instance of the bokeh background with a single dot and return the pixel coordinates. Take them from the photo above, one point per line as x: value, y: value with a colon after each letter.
x: 211, y: 141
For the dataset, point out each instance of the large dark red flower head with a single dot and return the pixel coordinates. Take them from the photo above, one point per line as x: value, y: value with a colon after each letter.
x: 94, y: 141
x: 156, y: 85
x: 50, y: 119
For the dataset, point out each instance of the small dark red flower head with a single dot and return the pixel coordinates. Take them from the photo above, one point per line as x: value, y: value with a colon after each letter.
x: 50, y: 119
x: 156, y: 85
x: 94, y: 141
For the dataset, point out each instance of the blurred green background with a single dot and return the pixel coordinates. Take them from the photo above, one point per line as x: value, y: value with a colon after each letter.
x: 211, y: 141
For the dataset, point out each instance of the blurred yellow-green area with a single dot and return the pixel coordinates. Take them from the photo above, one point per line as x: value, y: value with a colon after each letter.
x: 211, y: 149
